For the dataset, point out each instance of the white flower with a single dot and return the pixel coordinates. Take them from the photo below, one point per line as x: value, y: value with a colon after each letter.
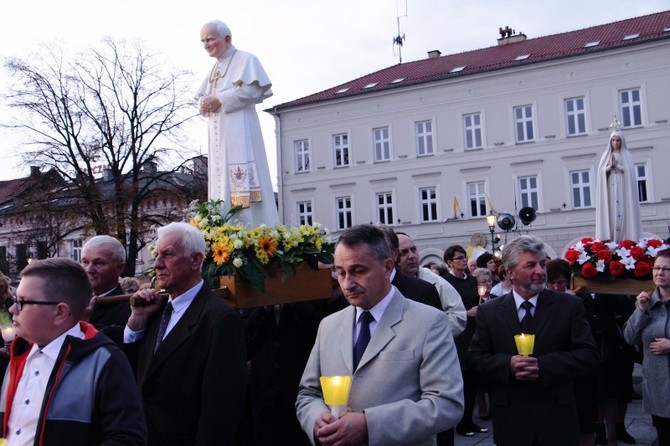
x: 583, y: 257
x: 600, y: 266
x: 628, y: 261
x: 237, y: 262
x: 611, y: 245
x: 238, y: 244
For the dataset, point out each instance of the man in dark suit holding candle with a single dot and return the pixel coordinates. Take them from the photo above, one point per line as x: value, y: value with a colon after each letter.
x: 533, y: 401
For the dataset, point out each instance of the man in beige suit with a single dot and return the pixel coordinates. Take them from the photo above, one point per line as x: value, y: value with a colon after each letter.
x: 407, y: 384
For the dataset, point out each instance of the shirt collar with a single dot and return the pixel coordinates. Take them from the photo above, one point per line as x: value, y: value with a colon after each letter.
x: 181, y: 302
x: 518, y: 300
x: 378, y: 310
x: 52, y: 349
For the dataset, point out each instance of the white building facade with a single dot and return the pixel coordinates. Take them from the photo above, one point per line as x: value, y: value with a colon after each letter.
x: 433, y: 153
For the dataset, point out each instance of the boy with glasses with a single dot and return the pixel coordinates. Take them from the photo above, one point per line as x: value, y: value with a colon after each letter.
x: 66, y: 383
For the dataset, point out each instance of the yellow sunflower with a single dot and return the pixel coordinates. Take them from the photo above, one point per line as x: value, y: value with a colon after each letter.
x: 221, y: 252
x: 266, y: 247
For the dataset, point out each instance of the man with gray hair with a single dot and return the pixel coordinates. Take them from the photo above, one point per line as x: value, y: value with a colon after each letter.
x: 533, y: 402
x: 188, y: 349
x: 405, y: 379
x: 104, y: 258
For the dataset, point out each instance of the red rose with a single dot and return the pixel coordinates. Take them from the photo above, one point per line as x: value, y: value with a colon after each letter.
x: 571, y: 256
x: 598, y: 246
x: 626, y: 244
x: 636, y: 252
x: 654, y: 243
x: 616, y: 268
x: 605, y: 254
x: 642, y: 269
x: 589, y: 271
x: 586, y: 240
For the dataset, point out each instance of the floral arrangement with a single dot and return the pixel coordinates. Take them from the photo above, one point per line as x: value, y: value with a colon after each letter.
x: 252, y: 253
x: 593, y: 259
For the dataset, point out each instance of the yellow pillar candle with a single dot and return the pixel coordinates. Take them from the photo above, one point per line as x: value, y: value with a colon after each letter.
x: 336, y: 393
x: 525, y: 343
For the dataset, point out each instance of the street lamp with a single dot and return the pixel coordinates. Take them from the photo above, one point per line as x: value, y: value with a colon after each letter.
x: 491, y: 220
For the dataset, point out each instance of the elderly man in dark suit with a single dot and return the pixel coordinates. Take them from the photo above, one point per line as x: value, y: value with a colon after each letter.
x: 189, y: 352
x: 533, y: 402
x: 104, y: 258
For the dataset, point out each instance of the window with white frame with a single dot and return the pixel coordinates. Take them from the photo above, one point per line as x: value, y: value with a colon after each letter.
x: 382, y: 144
x: 305, y: 216
x: 341, y: 149
x: 302, y: 156
x: 428, y: 203
x: 630, y: 104
x: 580, y: 182
x: 424, y: 138
x: 75, y: 250
x: 472, y: 131
x: 523, y: 123
x: 641, y: 176
x: 344, y: 217
x: 529, y: 192
x: 575, y: 116
x: 477, y: 199
x: 385, y: 208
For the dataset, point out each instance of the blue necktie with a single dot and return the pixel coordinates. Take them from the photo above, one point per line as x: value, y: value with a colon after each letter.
x: 165, y: 320
x: 527, y: 318
x: 363, y: 337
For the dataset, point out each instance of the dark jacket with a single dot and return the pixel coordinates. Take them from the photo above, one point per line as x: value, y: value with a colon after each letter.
x: 193, y: 388
x: 564, y: 349
x: 417, y: 290
x: 111, y: 315
x: 89, y: 399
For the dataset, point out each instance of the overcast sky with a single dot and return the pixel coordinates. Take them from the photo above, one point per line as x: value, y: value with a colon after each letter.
x: 305, y: 45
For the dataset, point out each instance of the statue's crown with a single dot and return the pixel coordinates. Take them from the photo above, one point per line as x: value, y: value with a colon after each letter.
x: 616, y: 126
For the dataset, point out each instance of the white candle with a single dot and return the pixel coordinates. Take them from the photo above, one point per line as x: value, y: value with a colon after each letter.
x: 8, y: 332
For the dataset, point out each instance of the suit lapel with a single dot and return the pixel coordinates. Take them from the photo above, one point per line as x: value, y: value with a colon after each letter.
x: 384, y: 331
x: 345, y: 332
x: 546, y: 303
x: 178, y: 335
x: 509, y: 313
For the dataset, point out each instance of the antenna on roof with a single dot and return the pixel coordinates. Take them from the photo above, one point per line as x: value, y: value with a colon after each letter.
x: 399, y: 39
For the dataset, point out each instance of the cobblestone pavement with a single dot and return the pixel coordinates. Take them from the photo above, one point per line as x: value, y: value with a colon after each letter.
x: 638, y: 423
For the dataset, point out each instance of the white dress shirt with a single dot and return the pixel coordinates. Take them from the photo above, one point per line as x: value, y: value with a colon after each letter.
x: 179, y: 306
x: 29, y: 395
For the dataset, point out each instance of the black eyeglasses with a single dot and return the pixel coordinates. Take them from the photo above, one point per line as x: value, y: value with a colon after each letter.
x: 21, y: 303
x: 459, y: 258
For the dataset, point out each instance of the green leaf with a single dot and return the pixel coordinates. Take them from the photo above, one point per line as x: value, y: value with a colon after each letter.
x: 5, y: 317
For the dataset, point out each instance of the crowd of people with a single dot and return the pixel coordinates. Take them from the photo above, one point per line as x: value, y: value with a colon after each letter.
x: 182, y: 367
x: 423, y: 346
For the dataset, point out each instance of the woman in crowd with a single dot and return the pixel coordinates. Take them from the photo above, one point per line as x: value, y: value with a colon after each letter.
x: 504, y: 286
x: 456, y: 259
x: 649, y: 326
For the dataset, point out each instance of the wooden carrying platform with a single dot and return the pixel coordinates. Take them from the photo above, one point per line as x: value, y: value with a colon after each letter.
x: 306, y: 284
x: 630, y: 287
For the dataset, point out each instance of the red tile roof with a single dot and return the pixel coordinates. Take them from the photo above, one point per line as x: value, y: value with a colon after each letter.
x: 569, y: 44
x: 12, y: 188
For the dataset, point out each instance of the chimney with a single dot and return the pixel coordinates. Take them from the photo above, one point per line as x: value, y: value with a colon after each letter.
x: 434, y: 54
x: 507, y: 36
x: 35, y: 172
